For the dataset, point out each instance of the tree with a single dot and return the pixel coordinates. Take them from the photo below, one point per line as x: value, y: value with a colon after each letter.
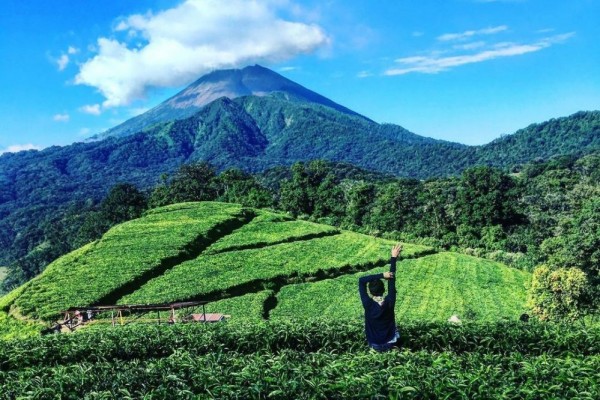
x: 123, y: 202
x: 569, y: 284
x: 438, y: 216
x: 160, y: 195
x: 93, y: 227
x: 359, y: 198
x: 396, y: 206
x: 486, y: 196
x: 577, y: 244
x: 294, y: 193
x: 236, y: 186
x: 329, y: 198
x: 193, y: 182
x: 561, y: 293
x: 589, y: 168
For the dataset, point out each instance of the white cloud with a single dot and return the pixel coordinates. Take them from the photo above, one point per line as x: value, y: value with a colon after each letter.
x: 134, y: 112
x: 19, y: 147
x: 61, y: 117
x: 364, y: 74
x: 93, y: 109
x: 287, y: 69
x: 84, y: 132
x: 435, y: 63
x: 122, y: 26
x: 191, y: 39
x: 469, y: 46
x: 62, y: 62
x: 468, y: 34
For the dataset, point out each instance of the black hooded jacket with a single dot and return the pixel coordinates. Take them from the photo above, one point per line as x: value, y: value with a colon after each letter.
x: 380, y: 321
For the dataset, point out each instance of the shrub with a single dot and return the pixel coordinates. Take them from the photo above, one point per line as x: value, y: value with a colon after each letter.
x: 561, y: 293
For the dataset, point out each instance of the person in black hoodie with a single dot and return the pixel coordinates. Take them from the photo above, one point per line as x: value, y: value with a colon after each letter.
x: 380, y: 321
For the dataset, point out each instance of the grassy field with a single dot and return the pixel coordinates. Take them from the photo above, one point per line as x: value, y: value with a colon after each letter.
x: 430, y: 288
x: 126, y: 254
x: 210, y: 274
x: 269, y: 229
x: 246, y: 308
x: 256, y: 264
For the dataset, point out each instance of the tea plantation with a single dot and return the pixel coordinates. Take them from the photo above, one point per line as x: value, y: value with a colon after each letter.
x: 295, y: 328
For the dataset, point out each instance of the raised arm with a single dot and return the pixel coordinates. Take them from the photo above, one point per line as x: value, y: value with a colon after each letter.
x: 396, y: 250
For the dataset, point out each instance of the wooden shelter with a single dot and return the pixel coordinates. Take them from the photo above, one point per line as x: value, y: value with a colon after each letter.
x: 122, y: 314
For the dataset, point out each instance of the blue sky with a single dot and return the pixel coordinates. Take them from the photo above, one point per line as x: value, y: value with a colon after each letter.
x: 460, y: 70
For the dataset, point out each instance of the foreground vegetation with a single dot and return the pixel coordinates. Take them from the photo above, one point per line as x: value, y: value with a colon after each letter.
x: 295, y: 329
x: 300, y: 359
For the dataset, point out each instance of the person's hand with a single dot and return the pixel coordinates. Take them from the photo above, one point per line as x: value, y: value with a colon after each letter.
x: 388, y: 275
x: 396, y: 250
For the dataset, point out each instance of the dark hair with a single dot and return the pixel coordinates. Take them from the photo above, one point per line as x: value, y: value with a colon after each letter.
x: 376, y: 287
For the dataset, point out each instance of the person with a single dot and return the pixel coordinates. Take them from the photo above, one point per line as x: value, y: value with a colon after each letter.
x: 380, y: 321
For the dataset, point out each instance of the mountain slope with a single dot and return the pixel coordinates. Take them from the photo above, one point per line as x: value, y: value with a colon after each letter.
x: 233, y: 83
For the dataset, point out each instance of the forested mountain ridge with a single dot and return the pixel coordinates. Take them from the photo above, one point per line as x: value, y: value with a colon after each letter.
x: 281, y: 125
x: 577, y: 134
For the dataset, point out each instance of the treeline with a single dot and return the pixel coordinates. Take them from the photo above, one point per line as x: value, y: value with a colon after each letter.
x: 543, y: 217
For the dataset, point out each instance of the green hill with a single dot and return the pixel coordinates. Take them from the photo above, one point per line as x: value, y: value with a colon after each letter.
x: 255, y: 263
x: 295, y: 329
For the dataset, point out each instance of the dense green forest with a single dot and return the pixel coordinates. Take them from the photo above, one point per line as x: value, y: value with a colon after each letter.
x: 543, y: 217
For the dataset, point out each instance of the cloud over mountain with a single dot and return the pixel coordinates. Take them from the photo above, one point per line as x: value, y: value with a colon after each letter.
x: 175, y: 46
x: 15, y: 148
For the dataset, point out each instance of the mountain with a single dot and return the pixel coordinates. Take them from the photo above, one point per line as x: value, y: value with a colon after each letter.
x: 232, y: 83
x: 278, y: 125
